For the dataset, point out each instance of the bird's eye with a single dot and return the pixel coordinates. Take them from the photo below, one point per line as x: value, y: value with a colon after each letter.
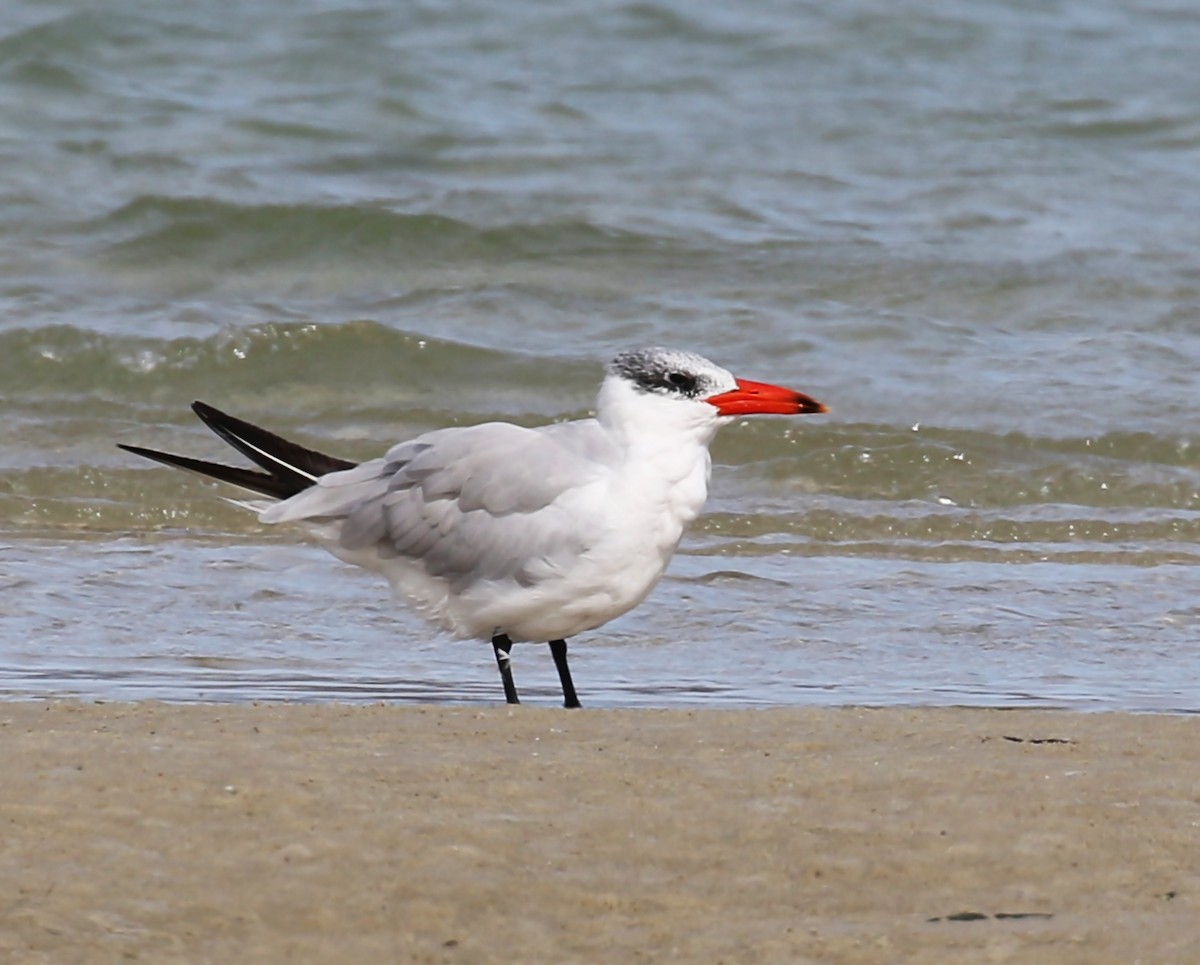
x: 685, y: 383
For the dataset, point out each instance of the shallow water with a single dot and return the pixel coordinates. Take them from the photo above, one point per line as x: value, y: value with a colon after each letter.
x: 971, y: 229
x: 206, y: 619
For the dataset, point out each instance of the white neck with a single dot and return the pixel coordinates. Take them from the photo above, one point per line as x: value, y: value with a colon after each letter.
x: 666, y: 462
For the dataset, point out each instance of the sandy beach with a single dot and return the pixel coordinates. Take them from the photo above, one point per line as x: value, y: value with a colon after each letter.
x: 323, y: 833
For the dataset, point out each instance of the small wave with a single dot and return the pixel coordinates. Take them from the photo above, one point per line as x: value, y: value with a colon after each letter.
x: 969, y: 468
x: 153, y: 231
x: 351, y: 367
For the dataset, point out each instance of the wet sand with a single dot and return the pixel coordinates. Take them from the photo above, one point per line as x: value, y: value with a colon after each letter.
x: 322, y: 833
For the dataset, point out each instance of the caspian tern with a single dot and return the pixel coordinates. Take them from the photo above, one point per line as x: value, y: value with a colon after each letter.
x: 509, y: 534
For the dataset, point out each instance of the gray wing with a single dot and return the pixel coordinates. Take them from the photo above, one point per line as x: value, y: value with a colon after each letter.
x: 486, y: 502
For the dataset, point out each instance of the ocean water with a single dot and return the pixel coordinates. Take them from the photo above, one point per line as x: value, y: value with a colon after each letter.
x: 973, y: 229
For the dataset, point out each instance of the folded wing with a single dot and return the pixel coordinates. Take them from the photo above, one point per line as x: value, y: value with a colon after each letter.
x: 491, y: 502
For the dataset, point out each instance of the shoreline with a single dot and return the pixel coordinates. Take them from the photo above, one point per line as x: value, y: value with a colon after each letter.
x: 322, y: 832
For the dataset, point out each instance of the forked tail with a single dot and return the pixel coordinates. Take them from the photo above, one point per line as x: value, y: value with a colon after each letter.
x: 289, y: 468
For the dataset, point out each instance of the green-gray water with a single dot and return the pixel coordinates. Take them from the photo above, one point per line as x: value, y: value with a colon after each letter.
x: 972, y: 229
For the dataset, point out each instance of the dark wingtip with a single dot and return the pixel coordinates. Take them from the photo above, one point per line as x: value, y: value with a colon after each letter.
x: 136, y: 450
x: 290, y: 468
x: 207, y: 413
x: 255, y: 482
x: 273, y: 453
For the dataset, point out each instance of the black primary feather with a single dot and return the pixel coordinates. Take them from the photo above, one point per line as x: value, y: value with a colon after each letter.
x: 290, y: 468
x: 268, y: 450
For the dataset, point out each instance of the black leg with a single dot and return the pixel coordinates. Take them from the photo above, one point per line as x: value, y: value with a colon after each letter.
x: 502, y: 645
x: 558, y: 649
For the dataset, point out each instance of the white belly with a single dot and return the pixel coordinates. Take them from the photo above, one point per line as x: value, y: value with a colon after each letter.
x: 627, y: 527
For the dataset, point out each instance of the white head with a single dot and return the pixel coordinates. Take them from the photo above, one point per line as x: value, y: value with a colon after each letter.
x: 670, y: 390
